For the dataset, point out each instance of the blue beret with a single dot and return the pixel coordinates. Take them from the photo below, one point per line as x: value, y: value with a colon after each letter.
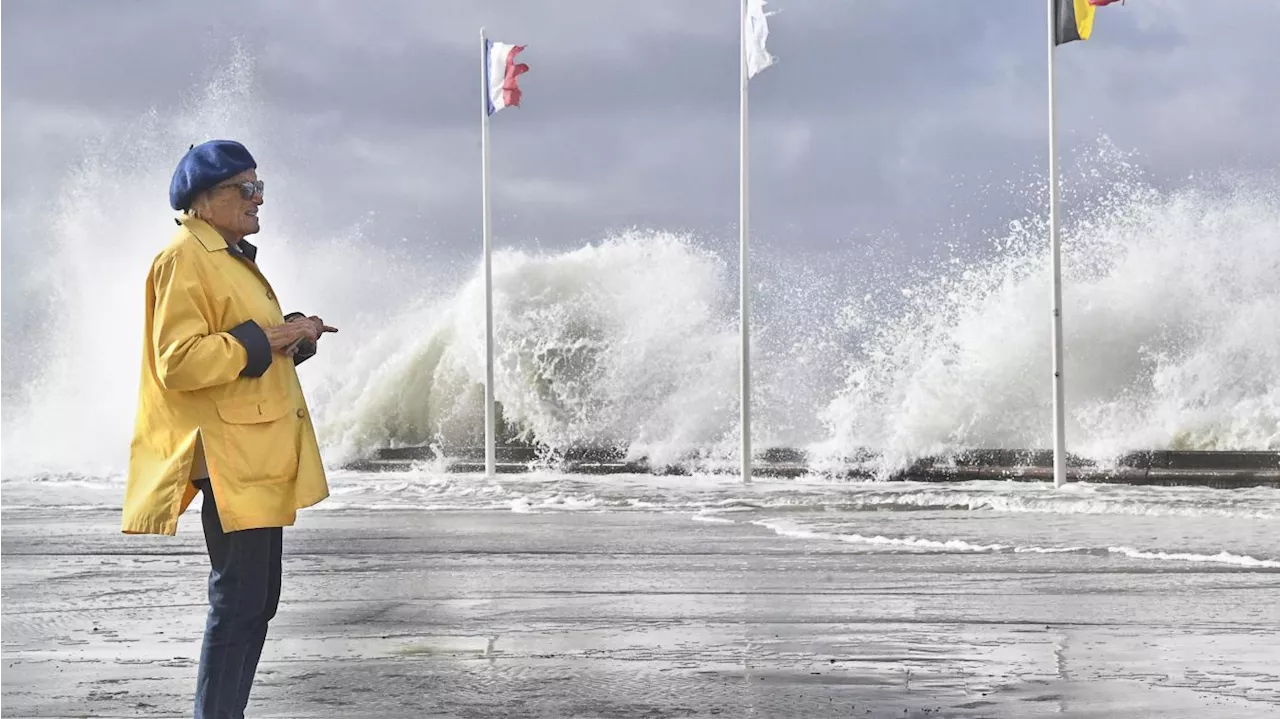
x: 204, y: 166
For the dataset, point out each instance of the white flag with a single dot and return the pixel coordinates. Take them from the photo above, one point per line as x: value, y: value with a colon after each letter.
x: 756, y: 31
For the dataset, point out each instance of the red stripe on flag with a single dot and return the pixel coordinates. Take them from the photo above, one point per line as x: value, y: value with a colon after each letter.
x: 510, y: 91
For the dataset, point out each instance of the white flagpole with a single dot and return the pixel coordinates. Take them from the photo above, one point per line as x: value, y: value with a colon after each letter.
x: 744, y: 290
x: 1055, y: 249
x: 489, y: 418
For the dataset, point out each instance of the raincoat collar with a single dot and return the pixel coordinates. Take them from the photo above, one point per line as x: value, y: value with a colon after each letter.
x: 213, y: 241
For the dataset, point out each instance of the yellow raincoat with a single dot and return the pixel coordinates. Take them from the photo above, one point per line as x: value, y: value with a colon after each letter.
x: 208, y: 373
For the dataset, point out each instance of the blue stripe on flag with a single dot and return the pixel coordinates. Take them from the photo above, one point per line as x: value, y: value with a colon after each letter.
x: 488, y: 94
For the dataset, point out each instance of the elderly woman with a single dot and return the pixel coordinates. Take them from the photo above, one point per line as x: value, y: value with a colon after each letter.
x: 221, y: 412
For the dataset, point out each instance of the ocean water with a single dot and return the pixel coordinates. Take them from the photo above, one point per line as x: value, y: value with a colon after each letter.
x: 631, y: 342
x: 1084, y: 526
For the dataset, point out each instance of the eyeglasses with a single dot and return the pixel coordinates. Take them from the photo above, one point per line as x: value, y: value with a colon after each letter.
x: 248, y: 188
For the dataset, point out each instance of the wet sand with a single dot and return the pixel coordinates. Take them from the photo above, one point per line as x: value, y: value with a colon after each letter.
x: 500, y: 614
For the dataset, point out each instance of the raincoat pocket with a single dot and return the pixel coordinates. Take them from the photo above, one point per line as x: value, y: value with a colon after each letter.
x: 260, y: 439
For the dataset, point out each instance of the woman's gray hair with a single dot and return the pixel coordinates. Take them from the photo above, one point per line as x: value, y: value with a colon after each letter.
x: 192, y: 209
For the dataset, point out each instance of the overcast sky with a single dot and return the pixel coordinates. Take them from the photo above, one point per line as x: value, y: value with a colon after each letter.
x: 909, y: 119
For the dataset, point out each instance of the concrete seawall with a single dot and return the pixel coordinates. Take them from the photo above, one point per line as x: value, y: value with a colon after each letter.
x: 1223, y: 470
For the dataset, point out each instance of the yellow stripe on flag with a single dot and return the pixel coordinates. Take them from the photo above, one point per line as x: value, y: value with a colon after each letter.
x: 1084, y: 18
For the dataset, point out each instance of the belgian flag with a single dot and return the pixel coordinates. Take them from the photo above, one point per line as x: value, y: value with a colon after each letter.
x: 1073, y: 19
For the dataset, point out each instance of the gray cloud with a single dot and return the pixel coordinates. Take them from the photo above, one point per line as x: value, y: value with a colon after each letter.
x: 880, y: 117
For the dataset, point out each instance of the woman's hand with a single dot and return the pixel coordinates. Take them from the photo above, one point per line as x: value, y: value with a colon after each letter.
x: 320, y: 323
x: 282, y: 337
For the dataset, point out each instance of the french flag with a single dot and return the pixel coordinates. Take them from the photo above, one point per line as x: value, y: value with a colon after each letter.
x: 501, y: 72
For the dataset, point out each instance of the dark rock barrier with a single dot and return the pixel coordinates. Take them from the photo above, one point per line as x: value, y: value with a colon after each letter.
x: 1222, y: 470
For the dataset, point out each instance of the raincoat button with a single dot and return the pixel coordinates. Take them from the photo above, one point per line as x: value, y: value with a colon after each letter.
x: 301, y: 414
x: 271, y: 295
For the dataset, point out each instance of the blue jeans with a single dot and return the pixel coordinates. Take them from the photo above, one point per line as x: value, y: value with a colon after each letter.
x: 244, y: 590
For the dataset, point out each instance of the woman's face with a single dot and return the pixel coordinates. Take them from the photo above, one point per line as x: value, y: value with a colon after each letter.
x: 225, y: 207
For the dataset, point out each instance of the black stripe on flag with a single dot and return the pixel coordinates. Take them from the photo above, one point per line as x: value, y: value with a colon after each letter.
x: 1065, y: 20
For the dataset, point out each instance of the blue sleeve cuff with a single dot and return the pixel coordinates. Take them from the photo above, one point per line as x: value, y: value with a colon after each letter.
x: 306, y: 350
x: 256, y: 345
